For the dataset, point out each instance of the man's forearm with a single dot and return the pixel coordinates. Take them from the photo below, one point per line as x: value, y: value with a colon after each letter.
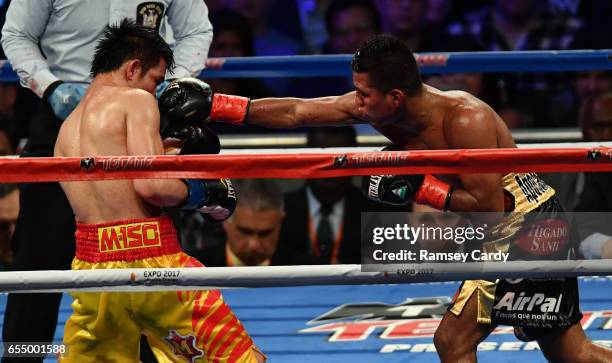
x: 274, y: 113
x: 464, y: 201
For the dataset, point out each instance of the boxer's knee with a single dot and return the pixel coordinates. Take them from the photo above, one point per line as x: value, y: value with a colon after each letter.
x: 443, y: 341
x: 453, y: 344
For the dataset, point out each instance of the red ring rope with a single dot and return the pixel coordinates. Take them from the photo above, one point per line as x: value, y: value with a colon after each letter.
x: 307, y: 165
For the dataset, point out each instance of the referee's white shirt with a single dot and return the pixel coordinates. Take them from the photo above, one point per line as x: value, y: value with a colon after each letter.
x: 50, y: 40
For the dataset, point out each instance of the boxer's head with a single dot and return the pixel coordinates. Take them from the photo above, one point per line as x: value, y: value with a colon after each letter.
x: 138, y: 55
x: 385, y: 73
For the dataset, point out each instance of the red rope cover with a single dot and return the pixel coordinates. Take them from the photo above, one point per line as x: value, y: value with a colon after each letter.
x: 292, y: 166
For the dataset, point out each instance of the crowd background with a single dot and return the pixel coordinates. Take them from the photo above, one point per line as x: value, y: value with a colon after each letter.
x: 316, y: 216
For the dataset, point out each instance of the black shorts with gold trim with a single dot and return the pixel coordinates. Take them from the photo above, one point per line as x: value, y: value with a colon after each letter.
x: 537, y: 306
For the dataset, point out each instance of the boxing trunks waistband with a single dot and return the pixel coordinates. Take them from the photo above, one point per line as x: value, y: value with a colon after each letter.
x: 525, y: 191
x: 126, y: 240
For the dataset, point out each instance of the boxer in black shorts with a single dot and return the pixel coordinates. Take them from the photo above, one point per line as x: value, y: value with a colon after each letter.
x: 535, y: 307
x: 391, y: 97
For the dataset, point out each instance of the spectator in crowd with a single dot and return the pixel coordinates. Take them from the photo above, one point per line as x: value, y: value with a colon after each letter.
x: 590, y: 83
x: 588, y: 86
x: 268, y: 39
x: 8, y: 99
x: 596, y: 117
x: 50, y: 45
x: 407, y: 20
x: 214, y: 5
x: 303, y: 20
x: 541, y: 100
x: 596, y: 197
x: 323, y: 217
x: 252, y: 232
x: 16, y: 105
x: 234, y: 38
x: 349, y: 23
x: 15, y: 110
x: 8, y: 140
x: 439, y: 12
x: 9, y: 210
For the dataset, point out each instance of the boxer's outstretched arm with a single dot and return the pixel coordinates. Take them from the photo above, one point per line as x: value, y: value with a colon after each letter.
x: 475, y: 129
x: 142, y: 122
x: 298, y: 112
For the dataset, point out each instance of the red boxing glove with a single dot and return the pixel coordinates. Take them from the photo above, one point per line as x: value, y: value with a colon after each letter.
x: 434, y: 193
x: 229, y: 109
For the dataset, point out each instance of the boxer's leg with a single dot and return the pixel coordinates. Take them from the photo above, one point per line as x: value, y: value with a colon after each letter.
x: 459, y: 332
x: 570, y: 345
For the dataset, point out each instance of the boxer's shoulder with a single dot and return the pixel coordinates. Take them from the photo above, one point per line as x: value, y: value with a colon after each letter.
x: 133, y: 101
x: 128, y: 95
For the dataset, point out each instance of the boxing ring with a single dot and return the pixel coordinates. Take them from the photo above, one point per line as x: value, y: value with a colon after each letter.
x: 340, y: 313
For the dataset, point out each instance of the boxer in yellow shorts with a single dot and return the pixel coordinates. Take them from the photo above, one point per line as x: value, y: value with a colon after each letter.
x: 120, y: 223
x: 195, y: 325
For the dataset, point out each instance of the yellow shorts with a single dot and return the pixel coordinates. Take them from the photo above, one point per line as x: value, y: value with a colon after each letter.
x: 180, y: 326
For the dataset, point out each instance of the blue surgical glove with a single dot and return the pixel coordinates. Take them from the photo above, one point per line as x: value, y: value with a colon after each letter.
x: 64, y: 97
x: 161, y: 88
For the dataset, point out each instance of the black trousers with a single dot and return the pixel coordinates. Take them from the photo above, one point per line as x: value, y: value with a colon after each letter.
x: 43, y: 240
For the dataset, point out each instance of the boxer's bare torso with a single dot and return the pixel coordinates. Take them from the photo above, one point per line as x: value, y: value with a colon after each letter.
x: 114, y: 119
x: 431, y: 120
x: 98, y: 127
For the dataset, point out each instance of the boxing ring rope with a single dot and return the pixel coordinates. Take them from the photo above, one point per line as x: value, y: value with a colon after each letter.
x: 165, y: 279
x: 319, y: 165
x: 344, y: 162
x: 430, y: 63
x: 290, y: 166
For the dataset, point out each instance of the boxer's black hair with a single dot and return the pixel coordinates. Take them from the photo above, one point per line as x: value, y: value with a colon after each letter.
x: 389, y: 64
x: 128, y: 40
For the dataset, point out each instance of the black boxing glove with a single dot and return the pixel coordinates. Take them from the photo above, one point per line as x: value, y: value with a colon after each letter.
x: 189, y: 140
x: 404, y: 189
x: 192, y: 101
x: 214, y: 198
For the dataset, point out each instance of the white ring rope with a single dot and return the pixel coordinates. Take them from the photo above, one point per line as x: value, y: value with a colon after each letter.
x: 276, y: 276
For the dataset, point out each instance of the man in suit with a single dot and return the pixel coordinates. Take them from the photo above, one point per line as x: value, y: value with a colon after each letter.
x: 252, y: 233
x: 323, y: 217
x: 595, y: 202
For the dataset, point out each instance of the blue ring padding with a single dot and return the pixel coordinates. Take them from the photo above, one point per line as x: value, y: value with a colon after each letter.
x: 197, y: 194
x: 454, y: 62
